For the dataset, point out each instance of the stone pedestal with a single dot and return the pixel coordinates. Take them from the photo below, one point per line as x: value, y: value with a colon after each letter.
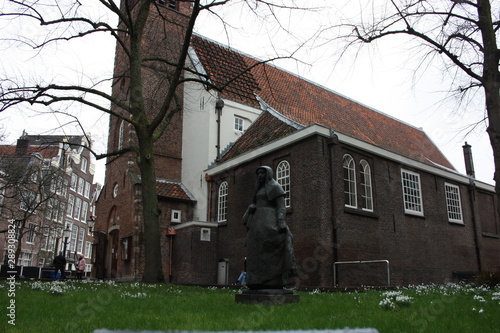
x: 267, y: 296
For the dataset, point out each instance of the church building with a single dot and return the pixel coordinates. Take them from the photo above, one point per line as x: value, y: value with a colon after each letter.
x: 370, y: 200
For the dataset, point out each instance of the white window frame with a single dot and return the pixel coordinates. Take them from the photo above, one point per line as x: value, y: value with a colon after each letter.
x: 78, y: 209
x: 176, y: 215
x: 44, y: 238
x: 74, y: 181
x: 81, y: 185
x: 453, y: 203
x: 84, y: 164
x: 239, y: 124
x: 86, y: 193
x: 81, y: 239
x: 74, y: 238
x: 85, y: 209
x: 412, y: 193
x: 350, y: 195
x: 205, y: 234
x: 283, y: 178
x: 88, y: 249
x: 366, y: 186
x: 222, y: 202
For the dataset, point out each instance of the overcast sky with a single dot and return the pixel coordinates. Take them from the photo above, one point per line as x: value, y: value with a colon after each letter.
x: 381, y: 76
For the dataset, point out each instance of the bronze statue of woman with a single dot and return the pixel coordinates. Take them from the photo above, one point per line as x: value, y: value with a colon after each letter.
x: 270, y: 257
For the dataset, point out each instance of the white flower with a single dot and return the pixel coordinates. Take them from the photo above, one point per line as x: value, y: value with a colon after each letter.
x: 315, y: 292
x: 126, y: 294
x: 387, y: 304
x: 479, y: 298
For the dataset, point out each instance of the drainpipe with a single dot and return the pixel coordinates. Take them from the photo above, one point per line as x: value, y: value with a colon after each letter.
x: 210, y: 181
x: 219, y: 104
x: 332, y: 142
x: 170, y: 234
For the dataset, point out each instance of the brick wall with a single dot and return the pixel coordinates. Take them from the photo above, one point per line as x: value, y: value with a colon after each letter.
x: 163, y: 38
x: 420, y: 249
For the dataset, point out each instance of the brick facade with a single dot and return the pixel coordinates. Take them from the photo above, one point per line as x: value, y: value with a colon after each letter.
x: 426, y: 249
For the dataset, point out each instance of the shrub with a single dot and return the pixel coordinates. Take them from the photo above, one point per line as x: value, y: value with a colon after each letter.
x: 490, y: 279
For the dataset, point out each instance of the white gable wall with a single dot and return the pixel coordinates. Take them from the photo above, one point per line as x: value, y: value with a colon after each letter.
x: 199, y: 138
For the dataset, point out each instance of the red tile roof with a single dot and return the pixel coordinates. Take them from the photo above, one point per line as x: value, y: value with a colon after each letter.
x: 266, y: 128
x: 307, y: 103
x: 173, y: 190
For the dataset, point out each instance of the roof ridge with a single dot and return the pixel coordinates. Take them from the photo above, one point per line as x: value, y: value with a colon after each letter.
x: 307, y: 80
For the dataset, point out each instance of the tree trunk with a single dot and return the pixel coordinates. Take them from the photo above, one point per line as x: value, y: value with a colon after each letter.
x: 491, y: 83
x: 153, y: 271
x: 19, y: 240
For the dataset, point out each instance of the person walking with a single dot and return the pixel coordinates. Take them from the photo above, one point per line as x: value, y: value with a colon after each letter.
x: 59, y: 266
x: 80, y: 267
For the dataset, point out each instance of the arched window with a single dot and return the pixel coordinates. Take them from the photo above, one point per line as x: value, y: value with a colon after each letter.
x: 349, y: 181
x: 366, y: 186
x: 222, y: 207
x: 283, y: 178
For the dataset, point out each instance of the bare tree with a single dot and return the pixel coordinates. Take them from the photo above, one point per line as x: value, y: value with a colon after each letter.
x: 148, y: 37
x: 463, y: 33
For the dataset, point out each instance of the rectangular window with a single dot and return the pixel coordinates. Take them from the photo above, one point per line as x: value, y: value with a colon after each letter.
x: 87, y: 190
x: 74, y: 236
x: 126, y: 249
x: 52, y: 242
x: 205, y: 234
x: 28, y: 201
x: 453, y: 203
x: 65, y: 188
x: 85, y: 208
x: 412, y: 194
x: 81, y: 184
x: 88, y: 249
x: 78, y: 208
x: 44, y: 239
x: 74, y: 181
x: 176, y: 216
x: 24, y: 259
x: 30, y: 237
x: 84, y: 164
x: 239, y: 124
x: 81, y: 238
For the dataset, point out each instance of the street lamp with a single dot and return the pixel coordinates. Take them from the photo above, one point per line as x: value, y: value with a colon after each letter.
x: 66, y: 234
x: 91, y: 224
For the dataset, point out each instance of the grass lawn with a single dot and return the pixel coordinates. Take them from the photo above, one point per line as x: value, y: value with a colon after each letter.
x: 85, y: 306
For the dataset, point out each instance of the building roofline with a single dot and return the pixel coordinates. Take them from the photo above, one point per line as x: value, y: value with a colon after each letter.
x: 324, y: 131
